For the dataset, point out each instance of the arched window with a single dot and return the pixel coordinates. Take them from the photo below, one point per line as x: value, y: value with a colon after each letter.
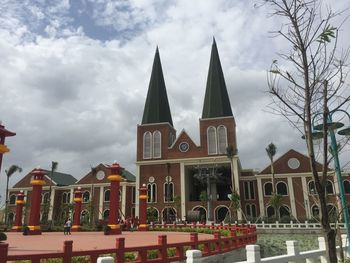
x: 86, y: 196
x: 12, y: 199
x: 157, y: 144
x: 147, y: 145
x: 315, y: 211
x: 270, y: 211
x: 312, y: 188
x: 211, y: 134
x: 268, y: 189
x: 346, y: 186
x: 45, y: 198
x: 106, y: 214
x: 282, y: 188
x: 66, y: 198
x: 222, y: 139
x: 107, y: 195
x: 329, y: 187
x: 168, y: 192
x: 151, y: 193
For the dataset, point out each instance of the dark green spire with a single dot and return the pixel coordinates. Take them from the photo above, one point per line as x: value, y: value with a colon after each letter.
x: 157, y: 108
x: 216, y: 101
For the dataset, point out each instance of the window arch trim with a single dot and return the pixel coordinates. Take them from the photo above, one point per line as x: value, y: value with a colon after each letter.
x: 222, y: 145
x: 147, y: 145
x: 285, y: 185
x: 212, y: 139
x: 265, y: 184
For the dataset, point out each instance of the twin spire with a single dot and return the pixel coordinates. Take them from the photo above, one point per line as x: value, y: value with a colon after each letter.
x: 216, y: 101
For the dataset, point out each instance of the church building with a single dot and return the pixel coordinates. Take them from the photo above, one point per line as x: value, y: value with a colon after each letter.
x: 180, y: 175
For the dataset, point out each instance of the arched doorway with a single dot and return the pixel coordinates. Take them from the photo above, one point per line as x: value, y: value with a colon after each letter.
x: 220, y: 213
x: 202, y: 213
x: 106, y: 214
x: 85, y: 217
x: 284, y: 213
x: 169, y: 215
x: 11, y: 218
x: 270, y: 211
x: 152, y: 214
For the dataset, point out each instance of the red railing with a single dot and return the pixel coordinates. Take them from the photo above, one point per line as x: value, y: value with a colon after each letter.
x: 240, y: 236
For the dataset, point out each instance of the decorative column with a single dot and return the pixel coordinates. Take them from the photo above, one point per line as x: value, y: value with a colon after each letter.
x: 77, y: 210
x: 3, y: 148
x: 19, y: 210
x: 143, y: 208
x: 115, y: 179
x: 34, y: 218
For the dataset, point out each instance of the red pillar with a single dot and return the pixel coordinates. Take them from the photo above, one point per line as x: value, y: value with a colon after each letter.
x: 17, y: 227
x: 115, y: 179
x: 3, y: 148
x: 143, y: 208
x: 34, y: 218
x: 77, y: 210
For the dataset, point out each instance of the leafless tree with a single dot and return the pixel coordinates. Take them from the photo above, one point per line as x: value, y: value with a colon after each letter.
x: 309, y: 80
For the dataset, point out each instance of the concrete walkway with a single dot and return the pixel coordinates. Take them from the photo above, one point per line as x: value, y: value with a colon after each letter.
x: 53, y: 241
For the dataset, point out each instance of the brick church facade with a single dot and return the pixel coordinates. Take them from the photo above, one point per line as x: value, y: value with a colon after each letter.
x: 182, y: 176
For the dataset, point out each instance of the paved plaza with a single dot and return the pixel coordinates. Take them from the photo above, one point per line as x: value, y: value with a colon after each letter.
x: 50, y: 242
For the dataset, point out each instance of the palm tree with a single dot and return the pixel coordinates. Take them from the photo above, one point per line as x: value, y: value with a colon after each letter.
x: 13, y: 168
x: 47, y: 207
x: 271, y: 151
x: 276, y: 199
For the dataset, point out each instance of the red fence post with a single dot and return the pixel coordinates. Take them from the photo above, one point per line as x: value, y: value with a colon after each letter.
x: 194, y: 239
x: 119, y: 254
x: 67, y: 251
x: 163, y: 249
x: 4, y: 248
x: 218, y: 241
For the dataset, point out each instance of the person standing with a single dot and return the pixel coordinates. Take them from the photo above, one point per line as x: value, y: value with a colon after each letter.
x: 69, y: 225
x: 65, y: 232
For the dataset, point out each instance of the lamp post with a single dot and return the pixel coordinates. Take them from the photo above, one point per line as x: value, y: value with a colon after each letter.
x: 331, y: 127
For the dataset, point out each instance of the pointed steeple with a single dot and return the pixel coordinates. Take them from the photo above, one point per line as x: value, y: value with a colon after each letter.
x: 157, y: 108
x: 216, y: 101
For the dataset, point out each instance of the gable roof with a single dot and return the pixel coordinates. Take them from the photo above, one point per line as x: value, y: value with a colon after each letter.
x: 157, y: 108
x: 216, y: 100
x: 284, y: 163
x: 59, y: 179
x: 90, y: 178
x: 183, y: 135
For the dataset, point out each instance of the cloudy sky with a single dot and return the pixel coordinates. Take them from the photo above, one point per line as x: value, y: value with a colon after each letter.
x: 74, y: 76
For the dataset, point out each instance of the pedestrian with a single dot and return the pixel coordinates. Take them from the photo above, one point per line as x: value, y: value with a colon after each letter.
x: 69, y: 225
x: 65, y: 226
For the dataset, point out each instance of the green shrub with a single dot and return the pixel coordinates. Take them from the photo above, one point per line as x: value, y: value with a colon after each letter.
x: 129, y: 256
x: 171, y: 252
x: 152, y: 254
x: 3, y: 236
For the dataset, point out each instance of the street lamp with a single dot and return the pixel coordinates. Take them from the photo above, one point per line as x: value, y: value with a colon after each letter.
x: 318, y: 134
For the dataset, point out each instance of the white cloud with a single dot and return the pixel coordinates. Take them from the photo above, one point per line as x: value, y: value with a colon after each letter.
x: 78, y: 100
